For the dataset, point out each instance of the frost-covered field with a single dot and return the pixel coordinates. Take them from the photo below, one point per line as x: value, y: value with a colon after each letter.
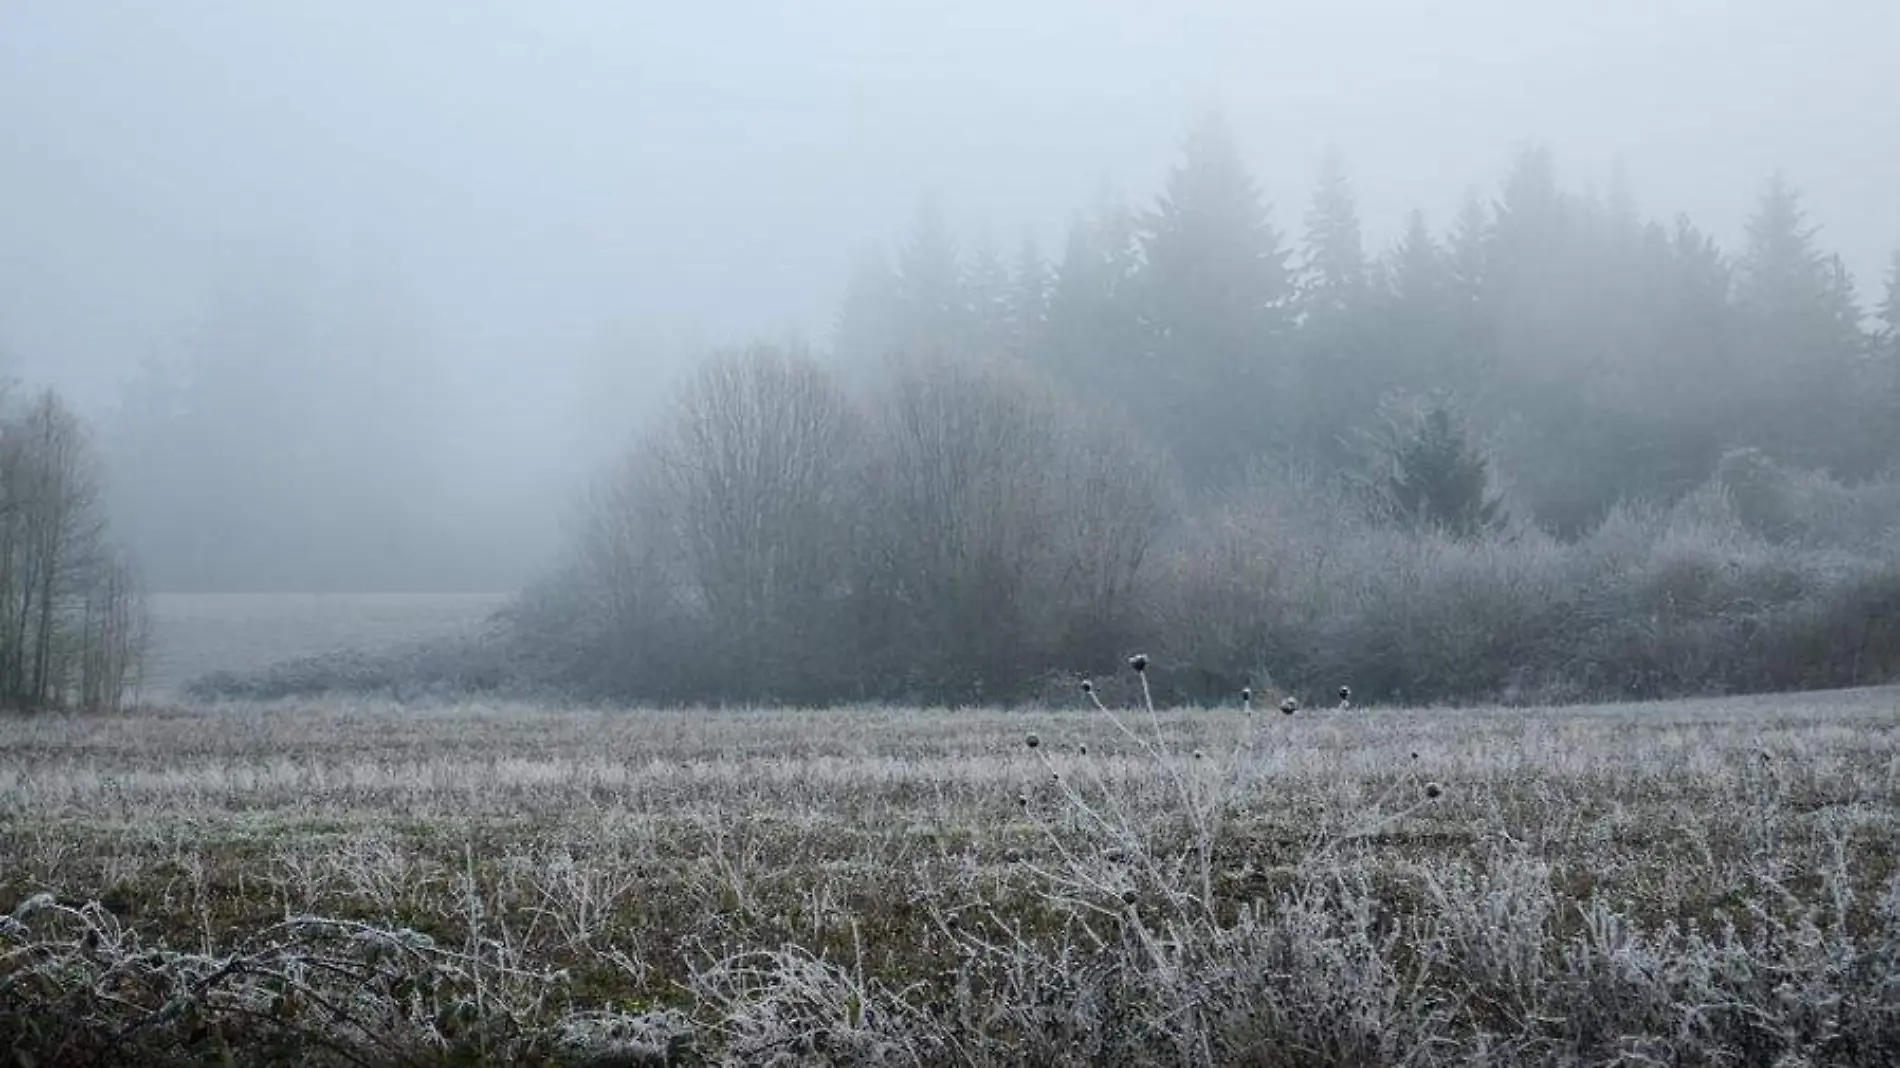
x: 1705, y: 882
x: 195, y: 634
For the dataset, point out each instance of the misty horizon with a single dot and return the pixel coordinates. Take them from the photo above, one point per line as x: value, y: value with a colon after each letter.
x: 557, y: 208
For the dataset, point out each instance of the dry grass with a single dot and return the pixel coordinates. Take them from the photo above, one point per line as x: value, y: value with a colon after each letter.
x: 1707, y: 882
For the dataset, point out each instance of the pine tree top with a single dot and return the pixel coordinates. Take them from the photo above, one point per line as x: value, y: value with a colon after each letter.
x: 1334, y: 268
x: 1214, y: 261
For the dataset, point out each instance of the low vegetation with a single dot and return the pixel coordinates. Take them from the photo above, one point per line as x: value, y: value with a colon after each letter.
x: 963, y: 534
x: 357, y: 882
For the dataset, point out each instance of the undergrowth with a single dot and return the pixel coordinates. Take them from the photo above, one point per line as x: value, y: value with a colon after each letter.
x: 1714, y: 884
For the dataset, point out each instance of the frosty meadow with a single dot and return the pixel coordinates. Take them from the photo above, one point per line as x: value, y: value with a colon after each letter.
x: 351, y: 881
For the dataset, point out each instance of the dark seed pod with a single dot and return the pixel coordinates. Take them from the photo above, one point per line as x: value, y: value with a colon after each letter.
x: 1434, y: 791
x: 1032, y: 741
x: 1139, y: 662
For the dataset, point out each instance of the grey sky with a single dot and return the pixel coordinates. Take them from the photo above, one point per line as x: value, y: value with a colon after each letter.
x: 539, y: 178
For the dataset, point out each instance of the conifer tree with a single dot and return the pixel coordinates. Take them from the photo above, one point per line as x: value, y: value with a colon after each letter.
x: 1801, y: 338
x: 933, y: 310
x: 1333, y: 268
x: 1341, y: 377
x: 1886, y: 365
x: 1429, y: 471
x: 1421, y: 336
x: 1092, y: 335
x: 867, y: 326
x: 1420, y: 272
x: 1531, y: 274
x: 1028, y: 300
x: 1890, y: 309
x: 1217, y: 307
x: 1467, y: 257
x: 1468, y: 249
x: 987, y: 300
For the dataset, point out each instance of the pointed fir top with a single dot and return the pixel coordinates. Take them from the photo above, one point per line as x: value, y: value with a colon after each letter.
x: 1890, y: 307
x: 1334, y: 270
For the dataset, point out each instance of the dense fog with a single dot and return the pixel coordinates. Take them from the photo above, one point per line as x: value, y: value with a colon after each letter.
x: 361, y: 295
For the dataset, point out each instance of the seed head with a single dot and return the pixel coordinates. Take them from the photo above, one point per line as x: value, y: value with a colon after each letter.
x: 1345, y: 693
x: 1022, y: 800
x: 1128, y: 897
x: 1139, y: 662
x: 1246, y: 695
x: 1032, y: 741
x: 1433, y: 791
x: 1290, y: 705
x: 1088, y: 686
x: 1083, y: 749
x: 951, y: 921
x: 1198, y: 754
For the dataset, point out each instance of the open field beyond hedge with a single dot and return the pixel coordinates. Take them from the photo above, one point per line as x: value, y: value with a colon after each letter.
x: 197, y: 634
x: 1702, y: 882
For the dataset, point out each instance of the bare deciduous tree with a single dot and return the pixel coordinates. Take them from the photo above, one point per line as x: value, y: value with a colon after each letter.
x: 771, y: 542
x: 1007, y: 526
x: 72, y: 623
x: 726, y: 535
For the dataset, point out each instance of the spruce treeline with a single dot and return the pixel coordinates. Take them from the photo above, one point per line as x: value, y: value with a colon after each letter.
x: 1603, y: 355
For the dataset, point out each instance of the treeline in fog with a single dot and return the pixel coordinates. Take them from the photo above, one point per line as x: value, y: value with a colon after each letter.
x: 1604, y: 355
x: 1550, y: 448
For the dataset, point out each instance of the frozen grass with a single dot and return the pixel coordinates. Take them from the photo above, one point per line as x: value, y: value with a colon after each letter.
x: 1703, y: 882
x: 197, y: 634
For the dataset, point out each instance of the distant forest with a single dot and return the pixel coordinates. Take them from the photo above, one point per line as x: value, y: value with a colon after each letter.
x: 1548, y: 451
x: 1552, y: 451
x: 1603, y: 356
x: 295, y: 439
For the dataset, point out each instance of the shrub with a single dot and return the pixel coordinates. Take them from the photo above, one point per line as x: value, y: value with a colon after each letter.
x: 950, y: 539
